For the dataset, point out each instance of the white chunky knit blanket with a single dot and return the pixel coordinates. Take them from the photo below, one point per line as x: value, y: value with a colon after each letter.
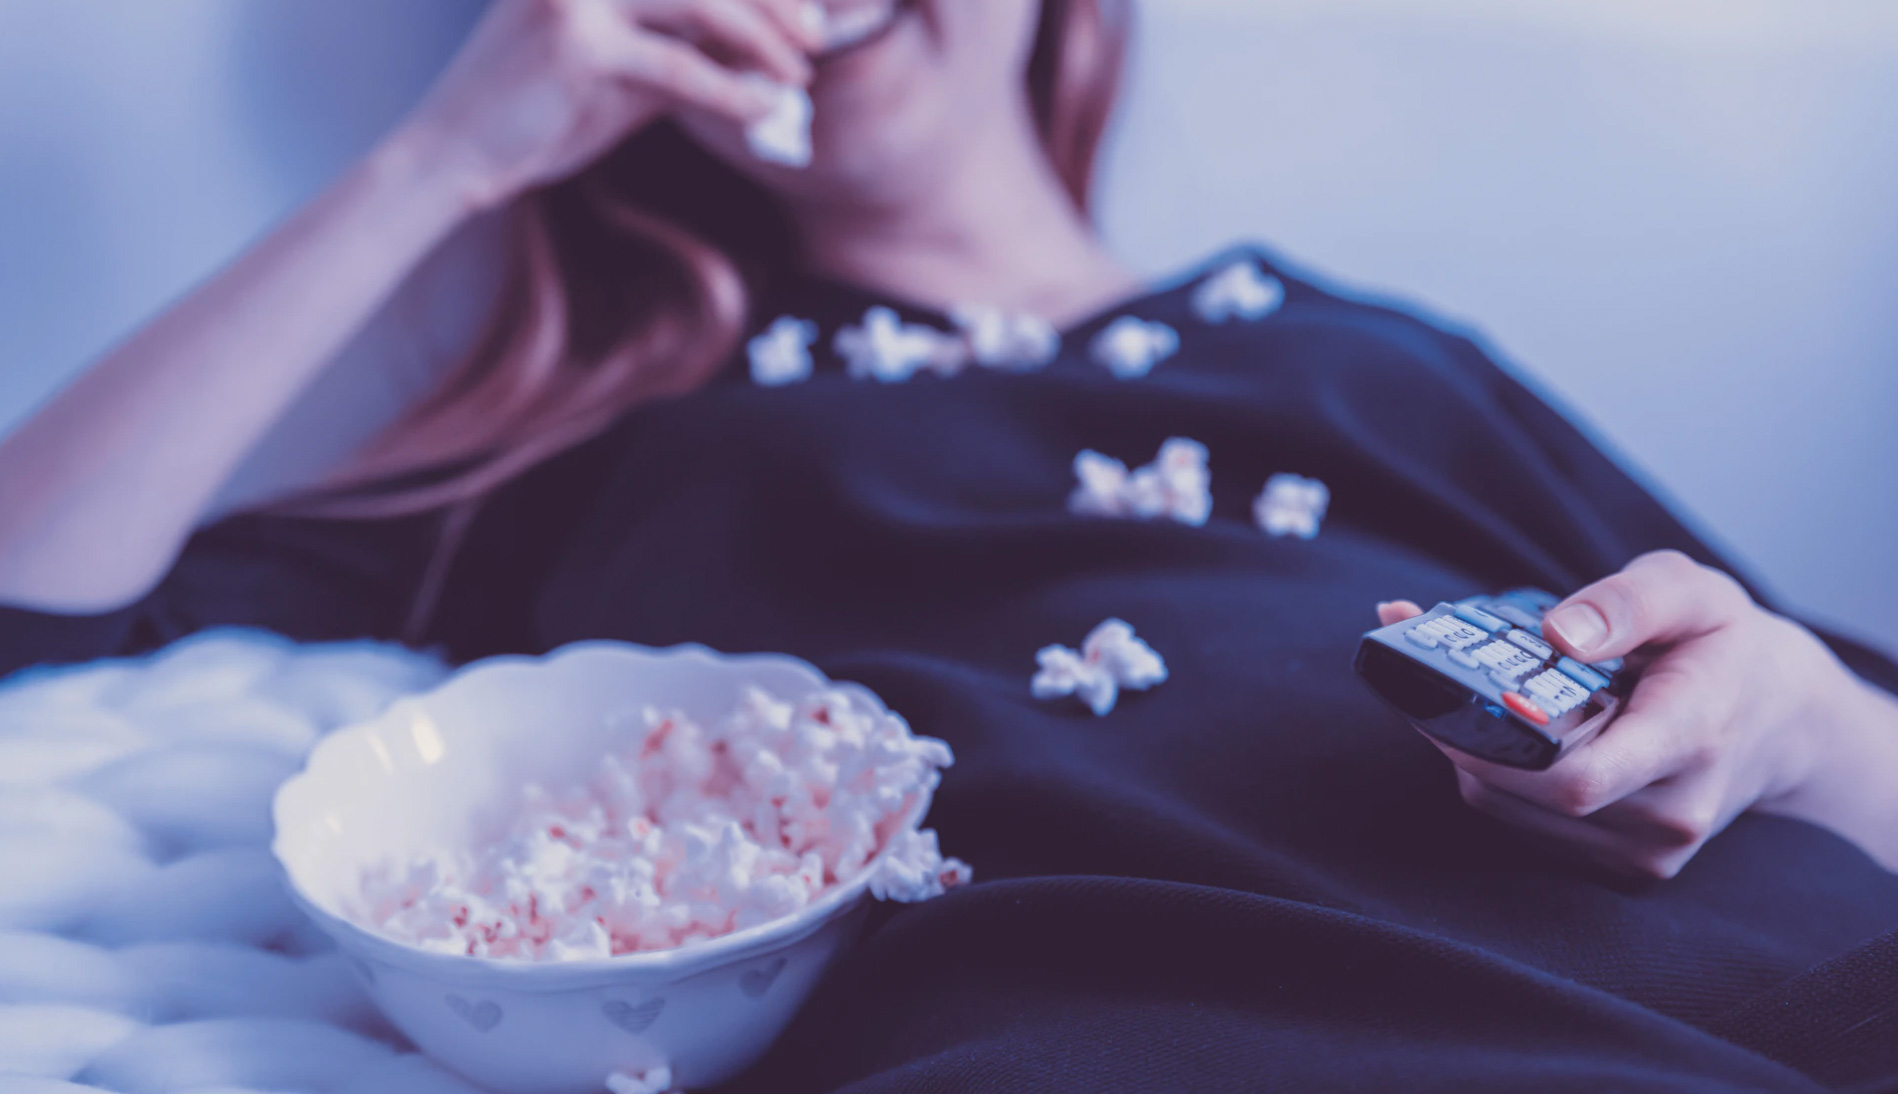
x: 146, y: 944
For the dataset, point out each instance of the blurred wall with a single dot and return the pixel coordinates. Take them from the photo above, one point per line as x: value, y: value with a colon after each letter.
x: 1678, y: 214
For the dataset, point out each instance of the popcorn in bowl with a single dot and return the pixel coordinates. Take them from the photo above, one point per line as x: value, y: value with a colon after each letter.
x: 738, y: 787
x: 686, y: 834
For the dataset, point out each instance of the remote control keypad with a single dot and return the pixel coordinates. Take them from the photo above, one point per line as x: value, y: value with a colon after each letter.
x: 1537, y: 648
x: 1524, y: 666
x: 1447, y: 631
x: 1554, y: 692
x: 1505, y: 662
x: 1582, y: 674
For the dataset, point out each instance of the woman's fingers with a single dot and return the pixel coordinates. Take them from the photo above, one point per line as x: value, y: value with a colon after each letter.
x: 1651, y: 834
x: 804, y: 20
x: 1735, y: 707
x: 1563, y: 835
x: 672, y: 67
x: 742, y: 33
x: 1660, y: 597
x: 1666, y: 729
x: 1396, y: 611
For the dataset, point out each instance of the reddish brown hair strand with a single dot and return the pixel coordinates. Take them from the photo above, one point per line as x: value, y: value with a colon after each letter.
x: 633, y: 282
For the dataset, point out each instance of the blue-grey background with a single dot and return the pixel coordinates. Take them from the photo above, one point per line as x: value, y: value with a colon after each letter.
x: 1681, y: 216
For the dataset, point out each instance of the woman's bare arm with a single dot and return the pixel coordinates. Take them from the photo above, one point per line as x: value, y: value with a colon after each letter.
x: 105, y: 484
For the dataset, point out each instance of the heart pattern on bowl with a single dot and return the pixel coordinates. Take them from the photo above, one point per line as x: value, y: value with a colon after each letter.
x: 631, y: 1018
x: 755, y: 982
x: 483, y: 1016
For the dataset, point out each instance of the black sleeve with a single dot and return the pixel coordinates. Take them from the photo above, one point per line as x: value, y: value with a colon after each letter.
x: 309, y: 579
x: 320, y: 580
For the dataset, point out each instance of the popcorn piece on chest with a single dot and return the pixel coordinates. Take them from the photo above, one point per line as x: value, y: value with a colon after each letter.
x: 1129, y: 347
x: 1242, y: 290
x: 688, y: 834
x: 1111, y: 659
x: 1292, y: 506
x: 1101, y: 486
x: 782, y: 354
x: 784, y: 135
x: 888, y: 349
x: 1004, y: 340
x: 1176, y: 486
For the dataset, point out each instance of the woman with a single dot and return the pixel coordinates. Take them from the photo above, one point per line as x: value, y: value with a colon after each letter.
x: 1249, y: 877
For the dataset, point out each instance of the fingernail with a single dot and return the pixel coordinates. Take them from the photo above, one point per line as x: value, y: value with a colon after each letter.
x: 1580, y: 626
x: 814, y: 18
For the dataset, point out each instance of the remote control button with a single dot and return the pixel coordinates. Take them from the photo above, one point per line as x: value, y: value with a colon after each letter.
x: 1450, y: 631
x: 1555, y: 692
x: 1582, y: 674
x: 1505, y: 662
x: 1517, y: 702
x: 1537, y: 600
x: 1528, y: 621
x: 1542, y: 650
x: 1417, y: 636
x: 1459, y: 635
x: 1609, y: 668
x: 1477, y: 617
x: 1506, y: 681
x: 1463, y: 658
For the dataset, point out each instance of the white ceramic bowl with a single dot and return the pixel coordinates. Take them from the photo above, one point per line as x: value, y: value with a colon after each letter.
x: 442, y: 768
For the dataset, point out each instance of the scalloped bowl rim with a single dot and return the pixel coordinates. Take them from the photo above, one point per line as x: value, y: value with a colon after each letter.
x: 671, y: 964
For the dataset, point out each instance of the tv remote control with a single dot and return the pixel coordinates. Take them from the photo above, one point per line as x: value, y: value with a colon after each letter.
x: 1477, y: 676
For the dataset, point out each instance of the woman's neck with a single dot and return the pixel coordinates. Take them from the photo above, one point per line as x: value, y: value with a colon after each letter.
x: 995, y: 227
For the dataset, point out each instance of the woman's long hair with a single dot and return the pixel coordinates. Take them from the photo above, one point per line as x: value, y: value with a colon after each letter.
x: 633, y: 281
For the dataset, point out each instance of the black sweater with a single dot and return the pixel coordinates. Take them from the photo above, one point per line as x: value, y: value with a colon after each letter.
x: 1252, y: 877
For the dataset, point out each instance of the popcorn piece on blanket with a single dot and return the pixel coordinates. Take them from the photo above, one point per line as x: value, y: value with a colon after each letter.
x: 656, y: 1080
x: 1129, y: 347
x: 782, y: 354
x: 1242, y: 290
x: 1006, y: 340
x: 691, y: 834
x: 886, y: 348
x: 784, y: 135
x: 1111, y: 659
x: 1292, y: 506
x: 1176, y: 486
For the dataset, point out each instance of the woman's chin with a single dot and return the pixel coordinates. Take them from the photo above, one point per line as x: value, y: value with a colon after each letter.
x: 854, y: 159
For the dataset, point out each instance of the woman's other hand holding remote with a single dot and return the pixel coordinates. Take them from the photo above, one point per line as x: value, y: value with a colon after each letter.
x: 1736, y: 708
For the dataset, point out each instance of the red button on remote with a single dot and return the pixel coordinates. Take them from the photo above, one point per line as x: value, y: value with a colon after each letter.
x: 1520, y: 703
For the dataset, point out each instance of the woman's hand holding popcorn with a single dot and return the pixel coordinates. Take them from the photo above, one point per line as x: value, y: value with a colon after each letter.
x: 1736, y: 708
x: 544, y: 87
